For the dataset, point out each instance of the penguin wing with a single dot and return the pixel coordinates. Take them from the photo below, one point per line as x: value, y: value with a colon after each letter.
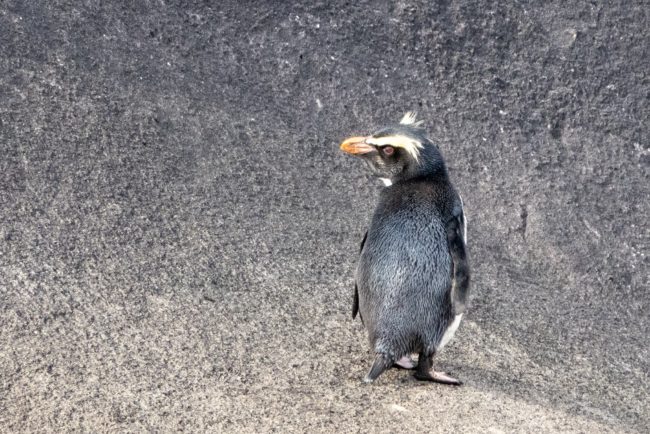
x: 462, y: 221
x: 456, y: 239
x: 355, y: 301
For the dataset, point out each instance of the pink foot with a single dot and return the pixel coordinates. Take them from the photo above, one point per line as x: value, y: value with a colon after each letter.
x: 442, y: 377
x: 405, y: 362
x: 437, y: 377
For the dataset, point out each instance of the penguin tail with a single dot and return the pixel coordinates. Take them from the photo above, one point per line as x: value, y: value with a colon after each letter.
x: 382, y: 362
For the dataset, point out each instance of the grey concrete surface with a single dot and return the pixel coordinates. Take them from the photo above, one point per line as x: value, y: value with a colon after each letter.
x: 178, y: 230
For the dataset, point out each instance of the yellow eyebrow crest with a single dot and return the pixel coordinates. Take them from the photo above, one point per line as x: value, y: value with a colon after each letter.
x: 409, y: 144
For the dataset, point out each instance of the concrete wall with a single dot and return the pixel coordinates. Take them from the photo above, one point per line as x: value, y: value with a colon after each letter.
x: 178, y: 230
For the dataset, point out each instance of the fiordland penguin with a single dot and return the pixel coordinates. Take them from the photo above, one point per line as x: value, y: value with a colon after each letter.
x: 412, y: 278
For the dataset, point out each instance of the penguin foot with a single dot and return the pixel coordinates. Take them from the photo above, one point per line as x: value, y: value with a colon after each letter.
x: 438, y: 377
x: 405, y: 362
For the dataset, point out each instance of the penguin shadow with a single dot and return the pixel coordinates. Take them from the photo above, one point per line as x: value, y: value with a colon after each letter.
x: 513, y: 385
x: 528, y: 383
x: 511, y: 374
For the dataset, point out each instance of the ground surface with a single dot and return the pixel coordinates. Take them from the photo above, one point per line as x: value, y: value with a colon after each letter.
x: 179, y: 230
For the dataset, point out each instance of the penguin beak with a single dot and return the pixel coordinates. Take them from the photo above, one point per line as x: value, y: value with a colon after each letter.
x: 356, y: 146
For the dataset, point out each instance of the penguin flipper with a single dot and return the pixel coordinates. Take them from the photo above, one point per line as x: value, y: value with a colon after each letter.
x: 363, y: 242
x: 355, y: 302
x: 458, y: 251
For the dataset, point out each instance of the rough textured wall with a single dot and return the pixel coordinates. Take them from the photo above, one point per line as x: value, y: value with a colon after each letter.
x: 178, y: 230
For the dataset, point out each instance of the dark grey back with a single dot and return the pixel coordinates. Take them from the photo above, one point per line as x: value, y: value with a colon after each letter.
x: 404, y: 272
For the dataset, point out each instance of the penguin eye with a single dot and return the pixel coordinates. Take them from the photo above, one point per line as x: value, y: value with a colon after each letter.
x: 388, y: 150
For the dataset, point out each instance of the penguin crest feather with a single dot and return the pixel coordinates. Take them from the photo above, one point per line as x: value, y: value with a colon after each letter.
x: 410, y: 118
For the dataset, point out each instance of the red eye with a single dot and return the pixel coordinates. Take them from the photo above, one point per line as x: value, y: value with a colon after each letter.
x: 388, y: 150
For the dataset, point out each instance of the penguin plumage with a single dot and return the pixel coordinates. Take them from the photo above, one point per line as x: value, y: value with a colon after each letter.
x: 412, y: 278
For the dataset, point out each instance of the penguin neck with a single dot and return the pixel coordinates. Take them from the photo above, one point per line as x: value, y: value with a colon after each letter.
x: 432, y: 173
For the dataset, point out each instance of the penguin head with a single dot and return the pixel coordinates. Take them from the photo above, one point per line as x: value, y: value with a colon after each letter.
x: 397, y: 152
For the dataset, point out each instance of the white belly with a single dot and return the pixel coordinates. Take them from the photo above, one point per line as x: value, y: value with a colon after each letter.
x: 451, y: 330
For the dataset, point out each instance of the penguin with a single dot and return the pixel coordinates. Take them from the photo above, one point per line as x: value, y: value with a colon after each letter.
x: 413, y: 274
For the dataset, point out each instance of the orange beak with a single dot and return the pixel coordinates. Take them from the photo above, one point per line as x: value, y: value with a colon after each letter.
x: 356, y: 146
